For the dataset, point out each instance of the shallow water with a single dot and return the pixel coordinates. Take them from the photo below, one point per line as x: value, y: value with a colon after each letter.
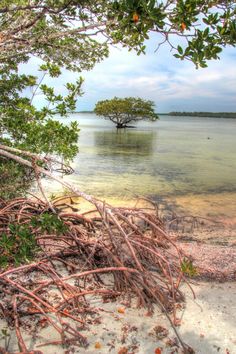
x: 178, y: 158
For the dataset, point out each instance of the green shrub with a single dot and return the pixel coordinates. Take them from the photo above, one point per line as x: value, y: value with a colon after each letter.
x: 18, y: 246
x: 49, y: 223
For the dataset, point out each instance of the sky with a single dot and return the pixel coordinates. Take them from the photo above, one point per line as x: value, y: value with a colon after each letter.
x: 172, y: 84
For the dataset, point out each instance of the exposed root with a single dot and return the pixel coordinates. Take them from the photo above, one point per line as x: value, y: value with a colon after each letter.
x: 107, y: 252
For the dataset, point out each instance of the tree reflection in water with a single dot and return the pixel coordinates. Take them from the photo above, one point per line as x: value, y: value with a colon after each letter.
x: 125, y: 142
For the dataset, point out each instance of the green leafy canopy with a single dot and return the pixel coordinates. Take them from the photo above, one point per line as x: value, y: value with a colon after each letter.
x: 123, y: 111
x: 24, y: 126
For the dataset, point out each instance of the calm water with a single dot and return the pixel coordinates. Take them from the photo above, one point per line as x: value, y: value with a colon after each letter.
x: 175, y: 157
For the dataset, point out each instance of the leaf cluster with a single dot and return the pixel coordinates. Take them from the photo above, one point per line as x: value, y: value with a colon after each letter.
x: 19, y: 244
x: 49, y: 223
x: 15, y: 179
x: 188, y: 268
x: 200, y: 28
x: 76, y: 34
x: 24, y: 126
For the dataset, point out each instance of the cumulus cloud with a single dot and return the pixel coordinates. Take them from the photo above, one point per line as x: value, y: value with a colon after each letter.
x: 170, y: 83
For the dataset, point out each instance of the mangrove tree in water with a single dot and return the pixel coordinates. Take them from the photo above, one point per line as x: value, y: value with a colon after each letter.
x: 123, y: 111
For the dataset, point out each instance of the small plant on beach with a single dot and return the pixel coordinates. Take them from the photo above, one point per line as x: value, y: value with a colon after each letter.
x: 188, y: 268
x: 6, y: 337
x: 49, y: 223
x: 17, y: 246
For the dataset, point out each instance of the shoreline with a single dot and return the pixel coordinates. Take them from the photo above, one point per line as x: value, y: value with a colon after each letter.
x: 209, y: 227
x: 210, y: 244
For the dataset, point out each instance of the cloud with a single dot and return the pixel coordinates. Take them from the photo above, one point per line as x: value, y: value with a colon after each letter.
x: 170, y: 83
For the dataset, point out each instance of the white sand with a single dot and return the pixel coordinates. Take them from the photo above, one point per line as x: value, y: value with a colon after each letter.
x: 208, y: 324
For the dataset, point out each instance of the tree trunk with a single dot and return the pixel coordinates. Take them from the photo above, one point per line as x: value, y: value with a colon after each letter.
x: 120, y: 125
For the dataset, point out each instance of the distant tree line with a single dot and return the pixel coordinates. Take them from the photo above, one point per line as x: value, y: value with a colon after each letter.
x: 205, y: 114
x: 76, y: 112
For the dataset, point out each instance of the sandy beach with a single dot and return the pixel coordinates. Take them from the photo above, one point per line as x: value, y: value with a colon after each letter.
x: 207, y: 324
